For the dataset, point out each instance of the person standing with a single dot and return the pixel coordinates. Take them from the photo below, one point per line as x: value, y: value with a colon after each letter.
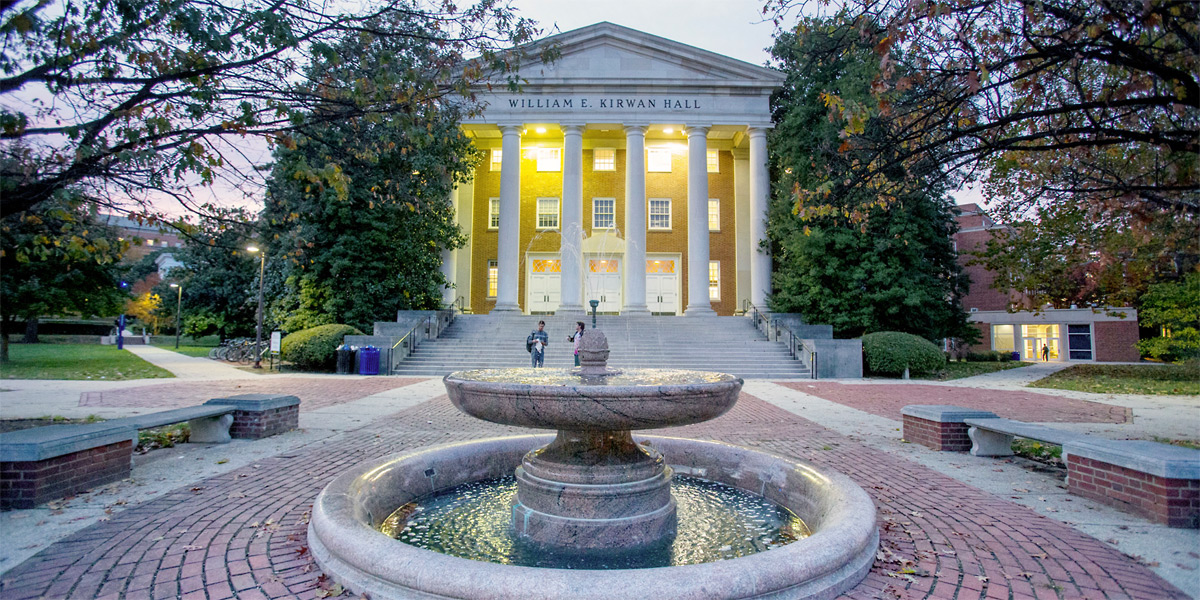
x: 577, y: 337
x: 539, y: 339
x: 1045, y: 352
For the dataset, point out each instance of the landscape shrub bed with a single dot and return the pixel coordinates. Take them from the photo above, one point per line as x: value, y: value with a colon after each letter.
x: 315, y: 349
x: 890, y: 352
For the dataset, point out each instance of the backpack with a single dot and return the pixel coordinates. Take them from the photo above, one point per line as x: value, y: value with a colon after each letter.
x: 529, y: 343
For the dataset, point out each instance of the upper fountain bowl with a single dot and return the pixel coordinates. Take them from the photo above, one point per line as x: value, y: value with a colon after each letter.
x: 567, y: 399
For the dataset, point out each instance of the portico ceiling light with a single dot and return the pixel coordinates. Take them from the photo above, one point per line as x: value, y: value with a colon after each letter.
x: 668, y: 130
x: 541, y: 130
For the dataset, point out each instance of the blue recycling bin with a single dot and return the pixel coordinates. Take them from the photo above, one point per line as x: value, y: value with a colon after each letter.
x: 368, y: 361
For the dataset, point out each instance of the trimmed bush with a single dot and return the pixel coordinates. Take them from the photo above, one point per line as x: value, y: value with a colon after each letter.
x: 989, y: 356
x: 315, y: 349
x: 889, y: 352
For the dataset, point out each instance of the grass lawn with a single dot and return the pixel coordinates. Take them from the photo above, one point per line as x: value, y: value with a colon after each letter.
x: 198, y: 351
x: 960, y: 369
x: 1126, y: 379
x: 76, y: 361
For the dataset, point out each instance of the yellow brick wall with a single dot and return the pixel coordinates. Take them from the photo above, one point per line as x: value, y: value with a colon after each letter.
x: 606, y: 184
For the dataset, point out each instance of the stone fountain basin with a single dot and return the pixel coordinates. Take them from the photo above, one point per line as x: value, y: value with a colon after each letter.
x: 561, y: 399
x: 343, y: 539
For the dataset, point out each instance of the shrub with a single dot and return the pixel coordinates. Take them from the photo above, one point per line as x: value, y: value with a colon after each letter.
x: 889, y: 352
x: 989, y: 356
x: 315, y: 349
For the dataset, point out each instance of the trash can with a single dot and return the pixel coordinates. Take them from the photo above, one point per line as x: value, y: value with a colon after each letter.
x: 368, y: 361
x: 1016, y: 356
x: 345, y: 360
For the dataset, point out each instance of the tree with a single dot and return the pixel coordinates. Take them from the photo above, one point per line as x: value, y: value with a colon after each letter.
x: 145, y: 308
x: 839, y: 258
x: 360, y: 208
x: 57, y: 260
x: 1095, y: 103
x: 1174, y: 309
x: 219, y: 277
x: 138, y: 97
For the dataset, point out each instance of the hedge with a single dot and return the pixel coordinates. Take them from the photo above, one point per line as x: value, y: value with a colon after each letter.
x: 889, y: 352
x: 989, y: 356
x: 315, y: 349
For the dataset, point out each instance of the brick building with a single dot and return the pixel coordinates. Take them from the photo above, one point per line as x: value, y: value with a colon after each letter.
x: 631, y: 171
x: 1071, y: 334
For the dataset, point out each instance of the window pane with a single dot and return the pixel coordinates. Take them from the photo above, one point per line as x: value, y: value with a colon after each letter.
x: 1081, y: 355
x: 547, y: 213
x: 494, y: 213
x: 603, y: 213
x: 714, y: 166
x: 660, y: 213
x: 604, y: 159
x: 497, y: 155
x: 658, y: 160
x: 1002, y: 338
x: 1079, y: 328
x: 714, y: 280
x: 548, y: 159
x: 714, y: 214
x: 493, y: 278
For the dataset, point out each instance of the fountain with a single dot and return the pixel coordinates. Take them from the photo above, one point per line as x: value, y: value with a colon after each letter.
x: 591, y: 489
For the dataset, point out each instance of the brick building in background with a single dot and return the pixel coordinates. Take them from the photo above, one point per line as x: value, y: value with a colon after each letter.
x: 1067, y: 334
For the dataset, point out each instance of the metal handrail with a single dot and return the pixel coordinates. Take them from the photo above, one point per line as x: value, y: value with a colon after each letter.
x: 408, y: 342
x: 775, y: 328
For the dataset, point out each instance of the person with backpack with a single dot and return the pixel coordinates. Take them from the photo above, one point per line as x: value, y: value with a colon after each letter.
x: 576, y: 338
x: 536, y: 344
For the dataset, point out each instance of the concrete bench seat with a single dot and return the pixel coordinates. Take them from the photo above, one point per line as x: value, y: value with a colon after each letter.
x: 1158, y: 481
x: 209, y: 424
x: 47, y: 463
x: 993, y: 436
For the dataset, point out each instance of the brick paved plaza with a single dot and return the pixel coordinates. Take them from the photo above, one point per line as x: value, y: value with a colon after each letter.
x: 243, y: 533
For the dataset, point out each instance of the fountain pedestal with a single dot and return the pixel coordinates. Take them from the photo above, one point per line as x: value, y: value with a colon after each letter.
x: 594, y: 490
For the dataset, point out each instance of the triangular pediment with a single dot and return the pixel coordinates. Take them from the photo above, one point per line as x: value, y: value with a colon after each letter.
x: 606, y: 53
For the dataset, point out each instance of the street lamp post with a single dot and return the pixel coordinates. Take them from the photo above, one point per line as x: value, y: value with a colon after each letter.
x: 262, y: 266
x: 178, y: 312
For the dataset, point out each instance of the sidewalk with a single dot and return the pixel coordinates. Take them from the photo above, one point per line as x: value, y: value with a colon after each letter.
x: 228, y: 520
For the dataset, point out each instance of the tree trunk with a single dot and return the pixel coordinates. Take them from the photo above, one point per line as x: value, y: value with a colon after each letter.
x: 3, y: 346
x: 31, y: 331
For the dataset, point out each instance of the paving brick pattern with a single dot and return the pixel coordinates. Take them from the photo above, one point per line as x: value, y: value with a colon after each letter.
x: 243, y: 534
x: 313, y: 392
x: 886, y: 401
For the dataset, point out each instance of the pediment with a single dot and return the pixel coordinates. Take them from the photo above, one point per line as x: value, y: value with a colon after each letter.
x: 605, y: 53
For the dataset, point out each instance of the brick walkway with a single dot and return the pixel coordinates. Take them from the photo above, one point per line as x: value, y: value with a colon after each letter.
x: 313, y: 392
x: 242, y: 534
x: 886, y: 401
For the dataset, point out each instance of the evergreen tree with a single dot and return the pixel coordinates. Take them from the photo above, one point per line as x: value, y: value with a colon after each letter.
x: 840, y: 257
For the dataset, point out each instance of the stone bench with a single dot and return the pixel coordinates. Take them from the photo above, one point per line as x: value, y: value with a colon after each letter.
x: 1160, y: 482
x: 46, y: 463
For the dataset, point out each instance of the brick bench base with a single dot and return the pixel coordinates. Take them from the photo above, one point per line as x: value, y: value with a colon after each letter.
x: 261, y: 415
x: 61, y: 460
x: 1157, y: 481
x: 940, y: 427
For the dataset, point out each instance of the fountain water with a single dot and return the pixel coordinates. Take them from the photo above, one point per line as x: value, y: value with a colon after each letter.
x: 592, y: 489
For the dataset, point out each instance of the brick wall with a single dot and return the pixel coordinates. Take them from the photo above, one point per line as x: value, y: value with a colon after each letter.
x: 256, y: 425
x: 28, y: 484
x: 1116, y: 341
x: 982, y: 295
x: 1171, y: 502
x: 948, y: 437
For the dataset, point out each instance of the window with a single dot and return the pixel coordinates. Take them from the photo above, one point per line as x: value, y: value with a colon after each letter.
x: 547, y: 213
x: 658, y: 160
x: 497, y: 156
x: 714, y: 280
x: 150, y: 242
x: 714, y: 214
x: 604, y: 159
x: 714, y: 165
x: 1002, y: 338
x: 549, y: 159
x: 493, y: 278
x: 1079, y: 342
x: 660, y: 213
x: 494, y: 213
x: 604, y: 213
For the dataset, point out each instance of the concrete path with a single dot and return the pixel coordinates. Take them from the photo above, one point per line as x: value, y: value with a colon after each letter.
x: 228, y: 521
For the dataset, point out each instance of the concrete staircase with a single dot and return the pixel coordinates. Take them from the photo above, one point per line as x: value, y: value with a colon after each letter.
x: 726, y: 344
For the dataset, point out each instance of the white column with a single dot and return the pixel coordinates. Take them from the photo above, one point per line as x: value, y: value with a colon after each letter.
x: 571, y: 245
x: 697, y: 259
x: 508, y: 258
x: 635, y: 221
x: 760, y: 192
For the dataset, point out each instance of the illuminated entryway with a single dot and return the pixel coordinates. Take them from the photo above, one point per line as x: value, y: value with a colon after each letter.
x: 603, y: 283
x: 1037, y: 337
x: 662, y: 285
x: 543, y: 290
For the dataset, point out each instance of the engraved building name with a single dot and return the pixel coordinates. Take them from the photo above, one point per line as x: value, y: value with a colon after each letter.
x: 606, y: 102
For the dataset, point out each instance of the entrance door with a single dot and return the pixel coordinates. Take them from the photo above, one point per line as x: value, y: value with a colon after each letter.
x: 1037, y: 337
x: 603, y: 284
x: 662, y: 286
x: 543, y: 289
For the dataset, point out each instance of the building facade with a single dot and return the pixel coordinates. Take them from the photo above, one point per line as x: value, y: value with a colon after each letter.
x: 631, y: 171
x: 1105, y: 334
